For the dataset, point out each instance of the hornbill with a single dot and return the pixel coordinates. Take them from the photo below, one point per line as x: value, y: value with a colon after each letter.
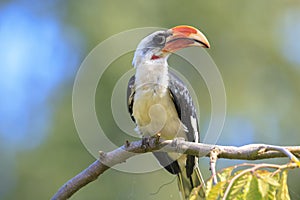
x: 160, y: 103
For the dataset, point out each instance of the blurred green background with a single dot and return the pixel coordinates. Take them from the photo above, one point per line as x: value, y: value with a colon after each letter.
x: 255, y: 44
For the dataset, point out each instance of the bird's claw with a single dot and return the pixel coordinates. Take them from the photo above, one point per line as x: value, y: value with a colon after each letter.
x: 145, y: 142
x: 148, y: 140
x: 156, y: 137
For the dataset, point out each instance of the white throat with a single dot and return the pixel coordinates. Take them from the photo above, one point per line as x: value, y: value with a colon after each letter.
x: 152, y: 75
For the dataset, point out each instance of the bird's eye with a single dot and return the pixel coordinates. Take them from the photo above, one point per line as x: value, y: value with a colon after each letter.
x: 160, y: 39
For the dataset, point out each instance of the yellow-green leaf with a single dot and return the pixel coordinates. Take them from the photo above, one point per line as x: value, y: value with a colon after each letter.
x: 225, y: 174
x: 273, y: 189
x: 283, y: 192
x: 268, y: 178
x: 263, y: 187
x: 216, y: 191
x: 208, y: 187
x: 253, y: 192
x: 272, y: 192
x: 246, y: 188
x: 195, y: 193
x: 238, y: 188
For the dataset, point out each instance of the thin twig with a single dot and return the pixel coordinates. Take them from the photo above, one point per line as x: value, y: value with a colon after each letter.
x: 213, y: 161
x: 285, y: 151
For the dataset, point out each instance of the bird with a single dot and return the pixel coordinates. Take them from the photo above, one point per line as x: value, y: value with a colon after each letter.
x: 159, y: 101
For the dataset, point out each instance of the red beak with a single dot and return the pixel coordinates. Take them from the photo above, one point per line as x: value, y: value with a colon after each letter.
x: 185, y: 36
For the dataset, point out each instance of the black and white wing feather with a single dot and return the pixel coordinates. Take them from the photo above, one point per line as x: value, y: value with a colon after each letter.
x: 187, y: 114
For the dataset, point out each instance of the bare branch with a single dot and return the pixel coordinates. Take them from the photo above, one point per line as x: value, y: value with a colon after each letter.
x: 121, y: 154
x: 213, y: 161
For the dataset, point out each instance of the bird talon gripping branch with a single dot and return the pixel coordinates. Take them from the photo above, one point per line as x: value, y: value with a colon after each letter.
x: 102, y: 155
x: 127, y: 143
x: 157, y: 137
x: 145, y: 142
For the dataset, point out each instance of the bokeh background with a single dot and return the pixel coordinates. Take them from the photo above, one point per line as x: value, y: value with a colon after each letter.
x: 255, y: 44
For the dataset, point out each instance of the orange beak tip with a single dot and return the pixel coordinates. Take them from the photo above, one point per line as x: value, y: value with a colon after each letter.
x: 192, y: 33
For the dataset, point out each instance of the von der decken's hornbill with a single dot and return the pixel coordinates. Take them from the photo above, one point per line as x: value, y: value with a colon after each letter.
x: 159, y: 101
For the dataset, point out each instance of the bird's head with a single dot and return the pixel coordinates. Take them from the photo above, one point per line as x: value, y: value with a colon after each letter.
x: 159, y: 45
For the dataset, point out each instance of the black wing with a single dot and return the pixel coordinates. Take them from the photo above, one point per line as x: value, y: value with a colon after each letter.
x: 186, y: 112
x: 130, y: 96
x: 184, y: 105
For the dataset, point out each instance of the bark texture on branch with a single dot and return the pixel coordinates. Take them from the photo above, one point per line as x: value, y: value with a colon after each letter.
x: 121, y: 154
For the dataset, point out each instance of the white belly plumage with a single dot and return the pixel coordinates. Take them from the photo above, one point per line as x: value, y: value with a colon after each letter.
x: 156, y: 113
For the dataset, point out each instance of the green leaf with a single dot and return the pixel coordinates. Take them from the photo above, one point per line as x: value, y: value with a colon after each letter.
x: 246, y: 188
x: 240, y: 187
x: 195, y: 193
x: 258, y: 185
x: 273, y: 189
x: 216, y: 191
x: 268, y: 178
x: 208, y: 187
x: 225, y: 174
x: 283, y: 192
x: 263, y: 187
x: 253, y: 192
x: 267, y: 184
x: 272, y: 193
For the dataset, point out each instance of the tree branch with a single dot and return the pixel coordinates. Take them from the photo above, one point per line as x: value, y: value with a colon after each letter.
x: 213, y: 161
x: 121, y: 154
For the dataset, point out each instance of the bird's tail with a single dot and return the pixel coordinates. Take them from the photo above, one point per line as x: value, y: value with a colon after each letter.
x: 187, y: 184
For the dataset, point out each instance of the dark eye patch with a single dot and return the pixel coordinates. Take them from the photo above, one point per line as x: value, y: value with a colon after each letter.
x: 159, y: 39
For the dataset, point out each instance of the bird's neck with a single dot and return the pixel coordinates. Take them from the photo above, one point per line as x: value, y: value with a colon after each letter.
x: 152, y: 76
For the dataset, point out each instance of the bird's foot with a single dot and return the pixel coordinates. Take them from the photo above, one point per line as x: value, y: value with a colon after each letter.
x: 148, y: 140
x: 156, y: 137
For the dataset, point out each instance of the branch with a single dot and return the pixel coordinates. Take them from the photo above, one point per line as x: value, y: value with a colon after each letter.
x: 121, y: 154
x: 213, y: 160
